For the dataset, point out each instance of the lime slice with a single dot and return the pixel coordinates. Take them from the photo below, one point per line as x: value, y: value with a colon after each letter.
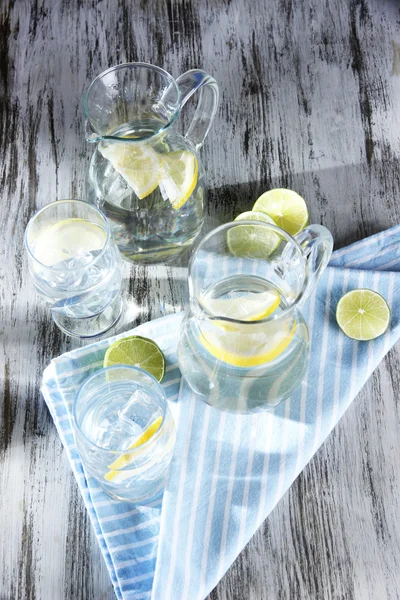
x: 68, y: 239
x: 124, y: 460
x: 138, y: 164
x: 250, y: 307
x: 363, y: 314
x: 241, y: 349
x: 254, y: 215
x: 138, y: 352
x: 180, y: 174
x: 286, y: 208
x: 252, y: 241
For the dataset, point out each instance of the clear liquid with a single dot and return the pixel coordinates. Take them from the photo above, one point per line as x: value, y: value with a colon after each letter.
x: 118, y: 415
x: 113, y: 420
x: 245, y: 388
x: 79, y: 286
x: 147, y: 229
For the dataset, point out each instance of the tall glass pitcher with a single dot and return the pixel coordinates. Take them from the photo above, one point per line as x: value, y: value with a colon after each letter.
x: 144, y: 175
x: 244, y: 342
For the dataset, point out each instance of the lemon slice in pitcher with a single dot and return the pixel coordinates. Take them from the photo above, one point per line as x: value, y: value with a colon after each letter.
x: 249, y: 307
x: 241, y: 349
x: 138, y: 164
x: 179, y: 179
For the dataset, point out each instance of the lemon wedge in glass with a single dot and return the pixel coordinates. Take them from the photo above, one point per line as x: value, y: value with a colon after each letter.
x: 125, y: 459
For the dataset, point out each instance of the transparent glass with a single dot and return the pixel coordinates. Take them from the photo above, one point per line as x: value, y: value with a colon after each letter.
x: 113, y: 409
x: 250, y: 364
x: 75, y: 266
x: 144, y: 175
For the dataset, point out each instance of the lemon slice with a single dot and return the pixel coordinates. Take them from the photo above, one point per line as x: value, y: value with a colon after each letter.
x: 138, y: 164
x: 180, y: 174
x: 285, y: 207
x: 251, y: 307
x: 363, y: 314
x: 125, y: 459
x: 138, y: 352
x: 241, y: 349
x: 70, y: 238
x: 252, y: 241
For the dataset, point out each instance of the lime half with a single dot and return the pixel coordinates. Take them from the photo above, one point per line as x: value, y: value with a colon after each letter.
x: 138, y: 352
x: 252, y: 241
x: 363, y: 314
x: 285, y: 207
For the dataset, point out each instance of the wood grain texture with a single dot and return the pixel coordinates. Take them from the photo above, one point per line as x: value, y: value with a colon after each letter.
x: 310, y: 99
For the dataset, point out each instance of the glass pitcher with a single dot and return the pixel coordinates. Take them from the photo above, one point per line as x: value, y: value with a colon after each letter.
x: 144, y: 175
x: 244, y: 343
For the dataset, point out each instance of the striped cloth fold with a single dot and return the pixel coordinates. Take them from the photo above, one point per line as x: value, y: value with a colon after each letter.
x: 228, y: 471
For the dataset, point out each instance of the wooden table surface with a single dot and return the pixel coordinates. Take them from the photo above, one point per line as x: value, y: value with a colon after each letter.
x: 310, y: 99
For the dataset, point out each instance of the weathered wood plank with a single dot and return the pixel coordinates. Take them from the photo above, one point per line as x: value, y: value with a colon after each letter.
x: 310, y: 99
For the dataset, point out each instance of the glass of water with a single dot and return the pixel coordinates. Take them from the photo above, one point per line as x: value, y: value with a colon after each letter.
x: 75, y: 266
x: 125, y: 432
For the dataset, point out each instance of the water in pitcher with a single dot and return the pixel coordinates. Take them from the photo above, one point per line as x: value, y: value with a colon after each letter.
x: 152, y: 192
x: 244, y: 366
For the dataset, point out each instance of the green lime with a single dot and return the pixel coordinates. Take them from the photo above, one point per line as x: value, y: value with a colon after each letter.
x: 250, y: 240
x: 363, y: 314
x: 138, y: 352
x: 285, y: 207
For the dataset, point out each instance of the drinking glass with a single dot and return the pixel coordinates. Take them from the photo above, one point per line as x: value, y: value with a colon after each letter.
x: 244, y: 342
x: 75, y: 266
x: 125, y: 432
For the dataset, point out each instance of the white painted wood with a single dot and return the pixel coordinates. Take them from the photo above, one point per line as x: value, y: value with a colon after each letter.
x: 310, y: 99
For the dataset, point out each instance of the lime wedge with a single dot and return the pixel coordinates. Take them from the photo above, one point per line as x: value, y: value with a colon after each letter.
x: 138, y: 164
x: 138, y: 352
x: 250, y: 307
x: 179, y: 177
x: 285, y: 207
x: 252, y: 241
x: 363, y: 314
x: 124, y: 460
x: 68, y: 239
x: 241, y: 349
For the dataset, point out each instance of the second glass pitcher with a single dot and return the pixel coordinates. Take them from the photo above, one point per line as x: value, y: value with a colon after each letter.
x: 244, y: 343
x: 144, y: 175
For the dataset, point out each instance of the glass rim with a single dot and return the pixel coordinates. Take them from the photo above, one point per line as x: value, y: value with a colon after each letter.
x: 132, y: 451
x: 62, y: 201
x: 126, y: 65
x: 225, y: 226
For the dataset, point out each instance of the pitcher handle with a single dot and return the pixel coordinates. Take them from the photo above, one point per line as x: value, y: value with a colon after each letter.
x: 189, y: 83
x: 317, y: 243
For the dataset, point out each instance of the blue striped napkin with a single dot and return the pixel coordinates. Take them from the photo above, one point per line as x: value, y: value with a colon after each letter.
x: 228, y: 471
